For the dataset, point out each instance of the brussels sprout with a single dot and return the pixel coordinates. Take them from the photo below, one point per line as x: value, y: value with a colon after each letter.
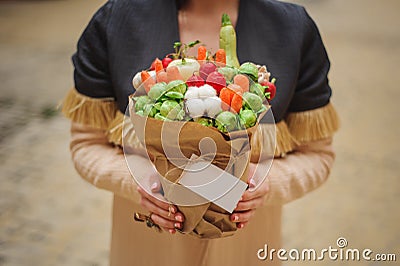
x: 141, y: 101
x: 252, y: 101
x: 157, y: 105
x: 248, y: 118
x: 226, y: 121
x: 157, y: 90
x: 174, y: 95
x: 258, y: 89
x: 177, y: 85
x: 249, y: 69
x: 228, y: 72
x: 149, y: 110
x: 158, y: 116
x: 204, y: 121
x: 171, y: 109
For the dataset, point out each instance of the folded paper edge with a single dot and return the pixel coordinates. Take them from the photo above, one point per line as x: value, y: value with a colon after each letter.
x: 313, y: 125
x: 95, y: 112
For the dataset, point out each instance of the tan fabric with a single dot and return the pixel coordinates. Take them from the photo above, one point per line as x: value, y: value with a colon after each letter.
x: 133, y: 244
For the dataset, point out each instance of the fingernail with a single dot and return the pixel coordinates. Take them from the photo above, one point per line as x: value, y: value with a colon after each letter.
x: 154, y: 186
x: 179, y: 218
x: 235, y: 218
x: 177, y: 225
x: 252, y: 183
x: 240, y: 226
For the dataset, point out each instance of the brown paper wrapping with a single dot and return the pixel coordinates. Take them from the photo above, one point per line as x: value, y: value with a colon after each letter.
x: 205, y: 220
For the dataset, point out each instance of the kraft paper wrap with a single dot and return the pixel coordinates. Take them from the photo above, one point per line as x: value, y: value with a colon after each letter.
x: 206, y: 220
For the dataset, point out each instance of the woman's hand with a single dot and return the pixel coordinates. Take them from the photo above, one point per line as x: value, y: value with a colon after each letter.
x: 162, y: 213
x: 251, y: 199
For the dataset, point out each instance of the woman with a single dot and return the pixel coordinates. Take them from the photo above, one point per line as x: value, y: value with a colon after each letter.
x: 123, y: 38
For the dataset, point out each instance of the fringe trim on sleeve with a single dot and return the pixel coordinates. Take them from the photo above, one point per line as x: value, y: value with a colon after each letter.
x: 314, y: 124
x: 98, y: 113
x: 114, y: 130
x: 263, y: 140
x: 122, y: 127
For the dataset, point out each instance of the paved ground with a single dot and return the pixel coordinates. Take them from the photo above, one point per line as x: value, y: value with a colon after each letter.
x: 49, y: 216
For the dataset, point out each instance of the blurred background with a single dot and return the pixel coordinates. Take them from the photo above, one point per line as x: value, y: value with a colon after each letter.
x: 50, y: 216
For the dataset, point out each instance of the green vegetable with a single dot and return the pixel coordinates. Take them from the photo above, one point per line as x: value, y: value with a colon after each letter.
x: 158, y: 116
x: 228, y: 72
x: 249, y: 69
x: 174, y: 95
x: 248, y: 118
x: 177, y: 86
x: 171, y: 110
x: 226, y: 122
x: 252, y: 101
x: 258, y: 89
x: 157, y: 90
x: 141, y: 101
x: 227, y: 41
x: 149, y: 110
x: 158, y: 106
x: 204, y: 121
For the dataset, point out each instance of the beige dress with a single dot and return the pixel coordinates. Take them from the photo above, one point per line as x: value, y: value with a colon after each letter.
x: 304, y: 159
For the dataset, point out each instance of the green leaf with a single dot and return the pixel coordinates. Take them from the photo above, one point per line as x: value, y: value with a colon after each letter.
x: 191, y: 44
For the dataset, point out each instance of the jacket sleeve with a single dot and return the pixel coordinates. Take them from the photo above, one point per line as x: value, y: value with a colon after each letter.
x: 300, y: 172
x: 102, y: 164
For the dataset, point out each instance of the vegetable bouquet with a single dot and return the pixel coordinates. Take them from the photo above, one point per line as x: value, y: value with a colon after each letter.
x: 191, y: 99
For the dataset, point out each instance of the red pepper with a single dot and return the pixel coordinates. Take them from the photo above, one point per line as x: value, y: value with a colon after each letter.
x: 166, y: 61
x: 270, y: 88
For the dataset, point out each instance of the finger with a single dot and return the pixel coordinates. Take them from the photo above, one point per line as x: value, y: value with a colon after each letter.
x: 242, y: 217
x: 154, y: 182
x: 241, y: 225
x: 252, y: 194
x: 249, y: 195
x: 145, y: 203
x: 250, y: 204
x: 156, y: 201
x: 155, y: 187
x: 164, y: 223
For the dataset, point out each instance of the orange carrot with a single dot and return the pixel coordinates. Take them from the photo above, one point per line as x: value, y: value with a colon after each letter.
x: 158, y: 66
x: 201, y: 53
x: 237, y: 102
x: 226, y: 96
x: 220, y: 56
x: 147, y: 80
x: 162, y: 76
x: 173, y: 73
x: 242, y: 81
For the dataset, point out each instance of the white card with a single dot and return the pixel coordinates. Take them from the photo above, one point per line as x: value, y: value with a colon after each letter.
x: 213, y: 184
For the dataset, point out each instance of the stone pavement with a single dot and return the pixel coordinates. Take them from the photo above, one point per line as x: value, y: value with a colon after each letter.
x: 49, y: 216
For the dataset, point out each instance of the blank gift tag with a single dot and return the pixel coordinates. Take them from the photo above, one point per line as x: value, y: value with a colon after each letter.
x: 213, y: 184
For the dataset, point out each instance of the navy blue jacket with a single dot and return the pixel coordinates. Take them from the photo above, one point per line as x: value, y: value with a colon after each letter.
x: 125, y: 36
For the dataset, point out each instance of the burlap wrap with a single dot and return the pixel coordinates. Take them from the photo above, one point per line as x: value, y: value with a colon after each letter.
x: 205, y: 220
